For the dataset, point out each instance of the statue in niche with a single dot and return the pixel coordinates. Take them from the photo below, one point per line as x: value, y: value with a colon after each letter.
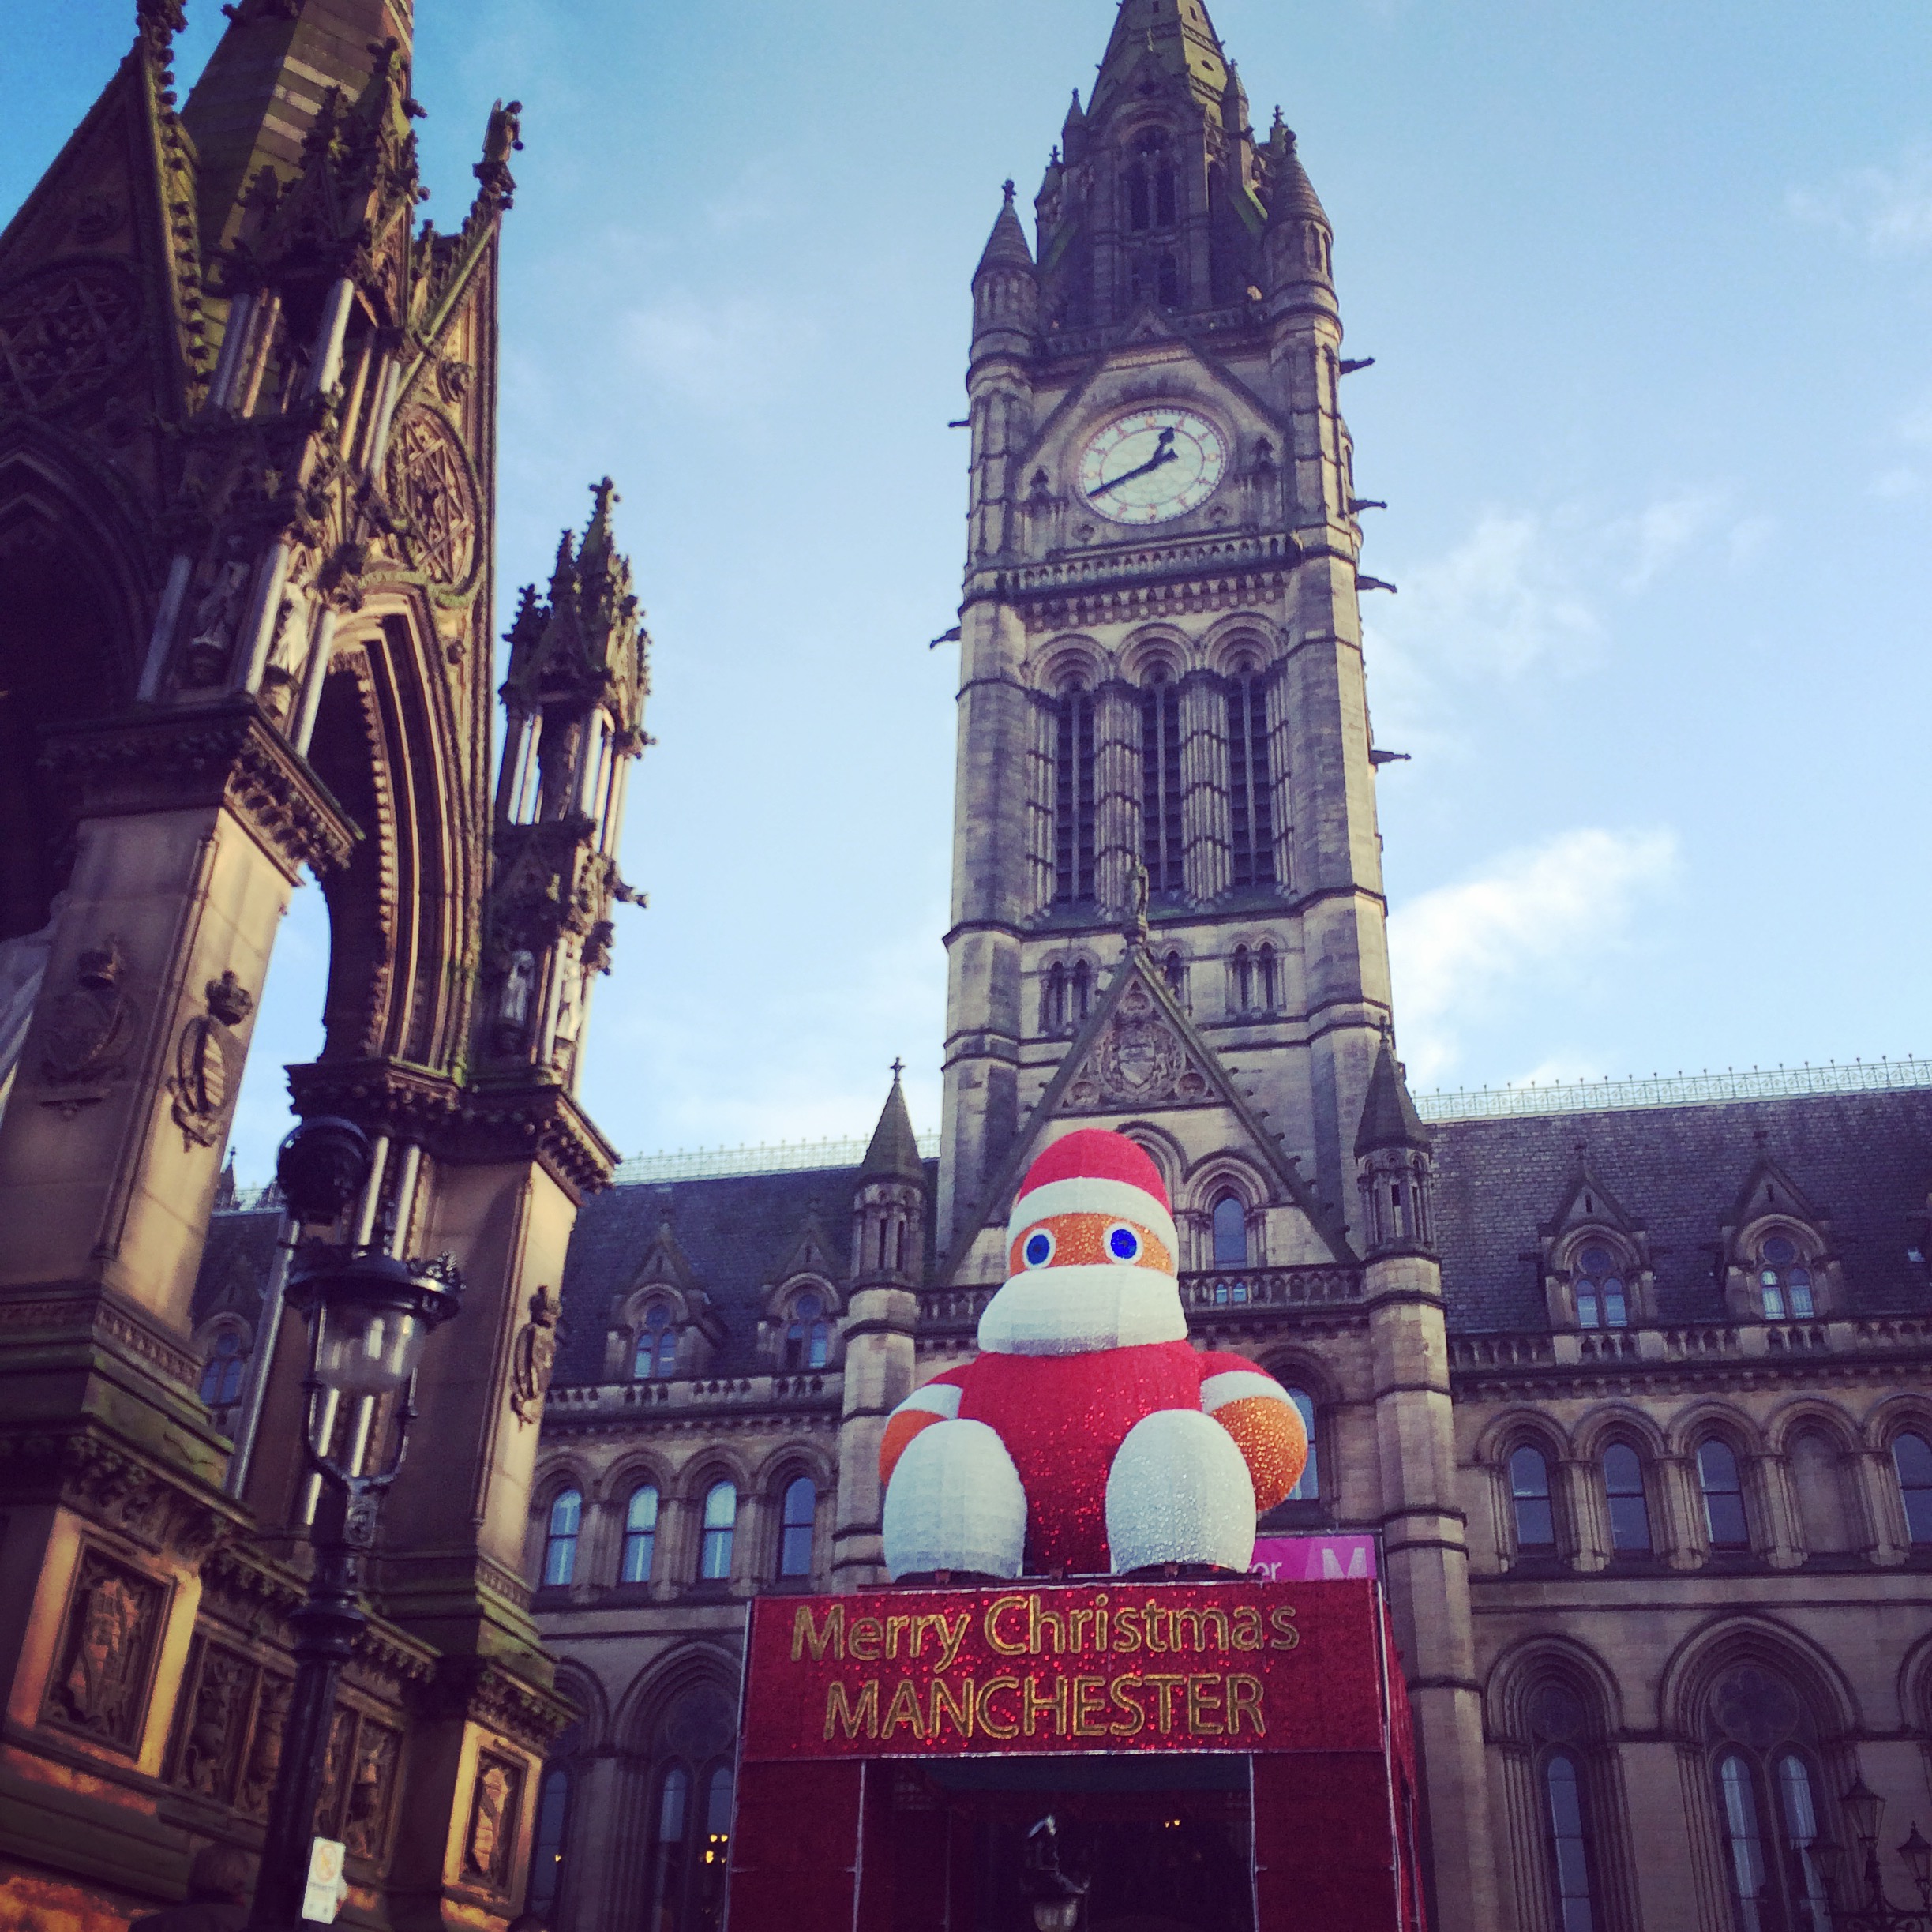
x: 556, y: 765
x: 513, y: 1003
x: 217, y: 618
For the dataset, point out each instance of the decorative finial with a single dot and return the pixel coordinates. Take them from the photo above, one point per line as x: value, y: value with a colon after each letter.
x: 898, y: 1066
x: 1007, y: 187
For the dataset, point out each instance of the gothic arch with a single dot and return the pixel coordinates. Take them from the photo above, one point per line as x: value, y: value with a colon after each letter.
x: 692, y: 1665
x: 787, y: 1462
x: 1730, y: 1639
x: 1223, y: 1173
x: 1169, y: 1158
x: 1614, y: 1422
x: 713, y: 1464
x: 1509, y: 1431
x: 1805, y: 1413
x: 1914, y: 1692
x: 1244, y: 640
x: 1159, y: 649
x: 630, y: 1472
x: 1522, y: 1669
x: 1293, y: 1365
x: 1074, y: 663
x: 1892, y: 1415
x: 1708, y: 1417
x: 592, y: 1725
x: 562, y: 1471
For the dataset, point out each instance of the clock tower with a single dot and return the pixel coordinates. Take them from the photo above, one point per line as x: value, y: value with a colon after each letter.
x: 1165, y: 788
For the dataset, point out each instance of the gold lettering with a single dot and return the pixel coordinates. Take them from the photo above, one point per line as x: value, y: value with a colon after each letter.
x: 950, y: 1639
x: 1287, y: 1636
x: 1165, y: 1685
x: 1248, y: 1629
x: 982, y: 1708
x: 1190, y: 1628
x: 957, y: 1706
x: 1100, y: 1612
x: 1035, y: 1703
x: 904, y: 1709
x: 818, y: 1639
x: 1013, y: 1647
x: 1126, y: 1629
x: 1204, y: 1707
x: 1122, y: 1691
x: 894, y: 1627
x: 1244, y: 1701
x: 1038, y: 1622
x: 1158, y: 1628
x: 868, y: 1633
x: 1090, y: 1700
x: 839, y: 1708
x: 1076, y: 1621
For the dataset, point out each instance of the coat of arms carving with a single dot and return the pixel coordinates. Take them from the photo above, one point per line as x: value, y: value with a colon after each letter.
x: 1140, y: 1060
x: 208, y: 1062
x: 533, y: 1356
x: 90, y: 1027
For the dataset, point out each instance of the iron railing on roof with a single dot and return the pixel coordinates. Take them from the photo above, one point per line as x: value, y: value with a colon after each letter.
x: 1606, y: 1096
x: 785, y: 1157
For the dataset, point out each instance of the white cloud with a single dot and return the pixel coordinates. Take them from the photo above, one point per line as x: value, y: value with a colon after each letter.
x: 1661, y: 532
x: 1890, y: 209
x: 1458, y: 949
x: 720, y: 356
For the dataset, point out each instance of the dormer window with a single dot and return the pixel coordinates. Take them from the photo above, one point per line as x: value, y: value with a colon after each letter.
x: 1785, y: 1281
x: 1603, y: 1298
x: 656, y: 1359
x: 221, y: 1376
x: 808, y: 1335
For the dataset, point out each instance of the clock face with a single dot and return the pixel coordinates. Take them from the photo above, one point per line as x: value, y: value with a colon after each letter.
x: 1152, y: 464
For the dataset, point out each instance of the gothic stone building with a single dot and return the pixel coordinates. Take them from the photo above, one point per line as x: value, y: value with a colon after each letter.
x: 1637, y: 1398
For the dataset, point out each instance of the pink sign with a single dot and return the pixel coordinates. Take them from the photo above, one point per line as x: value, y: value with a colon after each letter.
x: 1314, y: 1560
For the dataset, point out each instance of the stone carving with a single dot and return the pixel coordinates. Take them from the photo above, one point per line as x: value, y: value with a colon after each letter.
x: 211, y: 1748
x: 534, y: 1355
x: 1139, y: 1061
x: 336, y: 1764
x: 100, y: 1683
x: 217, y: 618
x: 520, y: 985
x: 208, y: 1062
x: 429, y: 488
x: 64, y: 332
x: 491, y: 1835
x: 90, y: 1027
x: 265, y: 1746
x: 378, y: 1751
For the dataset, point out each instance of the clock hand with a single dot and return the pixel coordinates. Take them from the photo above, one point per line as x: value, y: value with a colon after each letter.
x: 1166, y: 453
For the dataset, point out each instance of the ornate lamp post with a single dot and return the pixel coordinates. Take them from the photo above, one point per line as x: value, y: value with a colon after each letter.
x: 1873, y: 1911
x: 369, y: 1315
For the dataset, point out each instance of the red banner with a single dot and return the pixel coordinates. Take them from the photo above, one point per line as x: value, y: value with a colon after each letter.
x: 1247, y: 1666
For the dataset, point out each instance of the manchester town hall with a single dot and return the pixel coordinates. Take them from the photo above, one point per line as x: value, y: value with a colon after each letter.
x: 1634, y: 1397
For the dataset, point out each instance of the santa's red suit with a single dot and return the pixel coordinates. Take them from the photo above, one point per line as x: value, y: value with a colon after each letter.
x: 1087, y: 1435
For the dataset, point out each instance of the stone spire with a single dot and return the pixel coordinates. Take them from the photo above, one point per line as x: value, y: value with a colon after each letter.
x: 893, y: 1153
x: 1007, y: 247
x: 1389, y: 1115
x: 1175, y: 38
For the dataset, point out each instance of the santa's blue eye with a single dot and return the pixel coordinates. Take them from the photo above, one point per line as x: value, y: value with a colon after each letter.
x: 1037, y: 1249
x: 1122, y: 1243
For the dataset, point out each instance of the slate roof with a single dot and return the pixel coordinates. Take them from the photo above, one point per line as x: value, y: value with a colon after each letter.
x: 1865, y: 1160
x: 235, y: 1264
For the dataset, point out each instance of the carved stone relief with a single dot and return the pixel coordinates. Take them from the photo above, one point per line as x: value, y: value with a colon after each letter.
x: 1139, y: 1061
x: 89, y: 1027
x: 265, y: 1746
x: 218, y: 1705
x: 99, y: 1685
x: 208, y: 1062
x: 429, y: 486
x: 491, y: 1837
x: 534, y: 1355
x: 65, y: 331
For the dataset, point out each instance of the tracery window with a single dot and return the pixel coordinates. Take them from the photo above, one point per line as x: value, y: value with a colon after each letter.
x: 799, y: 1515
x: 808, y: 1335
x: 1602, y: 1301
x: 656, y: 1358
x: 641, y: 1536
x: 1767, y: 1793
x: 560, y: 1544
x: 721, y: 1524
x: 1629, y: 1508
x: 1911, y: 1459
x: 690, y: 1847
x: 222, y: 1376
x: 1724, y: 1495
x: 1082, y: 992
x: 546, y: 1849
x: 1073, y: 798
x: 1160, y: 784
x: 1531, y: 1506
x: 1251, y: 812
x: 1785, y: 1281
x: 1230, y: 1223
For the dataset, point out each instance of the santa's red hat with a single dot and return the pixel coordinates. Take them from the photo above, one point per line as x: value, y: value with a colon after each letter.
x: 1095, y: 1171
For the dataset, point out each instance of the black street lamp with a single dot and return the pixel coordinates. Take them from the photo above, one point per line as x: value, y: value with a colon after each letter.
x: 369, y: 1316
x: 1877, y: 1913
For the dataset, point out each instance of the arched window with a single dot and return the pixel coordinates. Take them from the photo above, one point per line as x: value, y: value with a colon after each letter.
x: 1230, y: 1232
x: 221, y: 1378
x: 1166, y: 271
x: 801, y: 1513
x: 1160, y: 783
x: 656, y: 1359
x: 669, y: 1852
x: 1557, y: 1725
x: 1252, y: 809
x: 1529, y: 1495
x: 1082, y: 992
x: 1309, y: 1488
x: 1073, y: 799
x: 1149, y: 183
x: 1629, y: 1510
x: 560, y: 1545
x: 641, y: 1536
x: 1724, y: 1495
x: 721, y: 1524
x: 1784, y: 1282
x: 1244, y: 979
x: 1602, y: 1301
x: 1911, y: 1457
x: 1053, y: 1000
x: 690, y: 1821
x: 1767, y: 1795
x: 808, y: 1337
x: 715, y: 1854
x: 546, y: 1847
x: 1265, y: 991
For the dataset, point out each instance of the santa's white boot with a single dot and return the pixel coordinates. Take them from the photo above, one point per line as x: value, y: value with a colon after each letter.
x: 1179, y: 1492
x: 956, y: 1503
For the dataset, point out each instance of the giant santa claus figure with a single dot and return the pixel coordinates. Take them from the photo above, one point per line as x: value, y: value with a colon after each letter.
x: 1088, y: 1435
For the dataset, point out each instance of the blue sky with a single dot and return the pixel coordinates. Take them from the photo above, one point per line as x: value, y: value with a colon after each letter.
x: 1649, y: 289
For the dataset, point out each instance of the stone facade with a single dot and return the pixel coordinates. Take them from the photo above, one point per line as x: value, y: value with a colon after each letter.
x: 1631, y: 1393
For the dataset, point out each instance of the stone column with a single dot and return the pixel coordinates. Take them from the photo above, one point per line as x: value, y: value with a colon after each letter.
x: 1116, y: 794
x: 1682, y: 1513
x: 1584, y: 1505
x: 1206, y: 832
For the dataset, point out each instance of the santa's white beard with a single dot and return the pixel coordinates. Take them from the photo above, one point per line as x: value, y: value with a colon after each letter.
x: 1083, y: 1306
